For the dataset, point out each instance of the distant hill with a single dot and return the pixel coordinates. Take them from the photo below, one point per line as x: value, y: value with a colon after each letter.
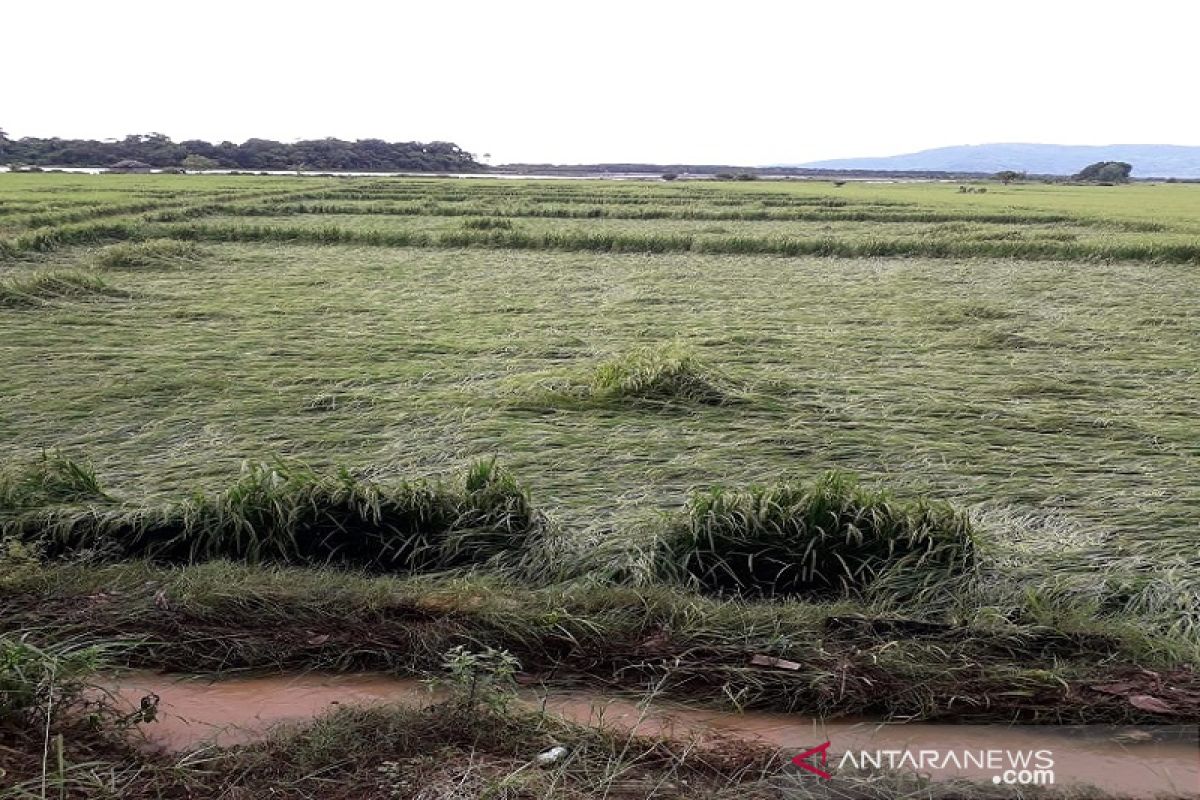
x: 1148, y: 160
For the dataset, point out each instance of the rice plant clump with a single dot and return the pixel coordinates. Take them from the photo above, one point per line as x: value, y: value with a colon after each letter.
x: 281, y: 513
x: 55, y: 479
x: 487, y: 224
x: 830, y: 537
x: 40, y: 288
x: 663, y: 374
x: 154, y: 254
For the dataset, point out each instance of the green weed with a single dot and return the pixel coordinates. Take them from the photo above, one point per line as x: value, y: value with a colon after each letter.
x: 40, y: 685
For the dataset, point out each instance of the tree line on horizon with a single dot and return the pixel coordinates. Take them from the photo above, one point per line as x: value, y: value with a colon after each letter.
x: 158, y: 150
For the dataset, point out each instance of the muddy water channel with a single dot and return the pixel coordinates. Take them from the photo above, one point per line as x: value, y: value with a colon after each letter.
x: 1130, y: 762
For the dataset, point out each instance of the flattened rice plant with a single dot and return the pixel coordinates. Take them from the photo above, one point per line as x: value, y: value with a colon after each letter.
x: 40, y: 288
x: 154, y: 254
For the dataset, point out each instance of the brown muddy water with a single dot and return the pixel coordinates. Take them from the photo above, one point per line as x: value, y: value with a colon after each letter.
x: 1143, y: 762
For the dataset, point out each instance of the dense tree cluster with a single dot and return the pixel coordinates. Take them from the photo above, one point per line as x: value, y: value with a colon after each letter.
x: 1007, y: 176
x: 1105, y: 172
x: 158, y: 150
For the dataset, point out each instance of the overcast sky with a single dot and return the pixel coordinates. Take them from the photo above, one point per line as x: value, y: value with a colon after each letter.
x: 740, y: 81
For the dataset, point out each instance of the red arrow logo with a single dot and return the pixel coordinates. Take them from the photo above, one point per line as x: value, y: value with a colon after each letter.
x: 800, y: 762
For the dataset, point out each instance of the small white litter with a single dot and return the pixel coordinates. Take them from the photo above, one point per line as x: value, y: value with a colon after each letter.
x: 551, y: 756
x: 771, y: 661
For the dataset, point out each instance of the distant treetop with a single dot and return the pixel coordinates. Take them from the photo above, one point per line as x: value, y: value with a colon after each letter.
x: 157, y: 150
x: 1105, y: 172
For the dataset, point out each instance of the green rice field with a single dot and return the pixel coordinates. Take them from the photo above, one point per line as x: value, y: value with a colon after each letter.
x: 940, y: 449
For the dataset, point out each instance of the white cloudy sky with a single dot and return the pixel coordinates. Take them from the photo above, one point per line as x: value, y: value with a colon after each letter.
x: 739, y: 81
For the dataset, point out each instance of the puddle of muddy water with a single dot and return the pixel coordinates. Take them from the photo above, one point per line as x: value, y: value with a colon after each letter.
x: 1127, y: 762
x: 196, y: 711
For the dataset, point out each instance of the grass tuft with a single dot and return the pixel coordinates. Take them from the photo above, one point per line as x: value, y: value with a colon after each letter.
x: 41, y: 684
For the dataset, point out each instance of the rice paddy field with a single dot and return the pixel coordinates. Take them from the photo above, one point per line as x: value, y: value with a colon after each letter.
x: 937, y: 450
